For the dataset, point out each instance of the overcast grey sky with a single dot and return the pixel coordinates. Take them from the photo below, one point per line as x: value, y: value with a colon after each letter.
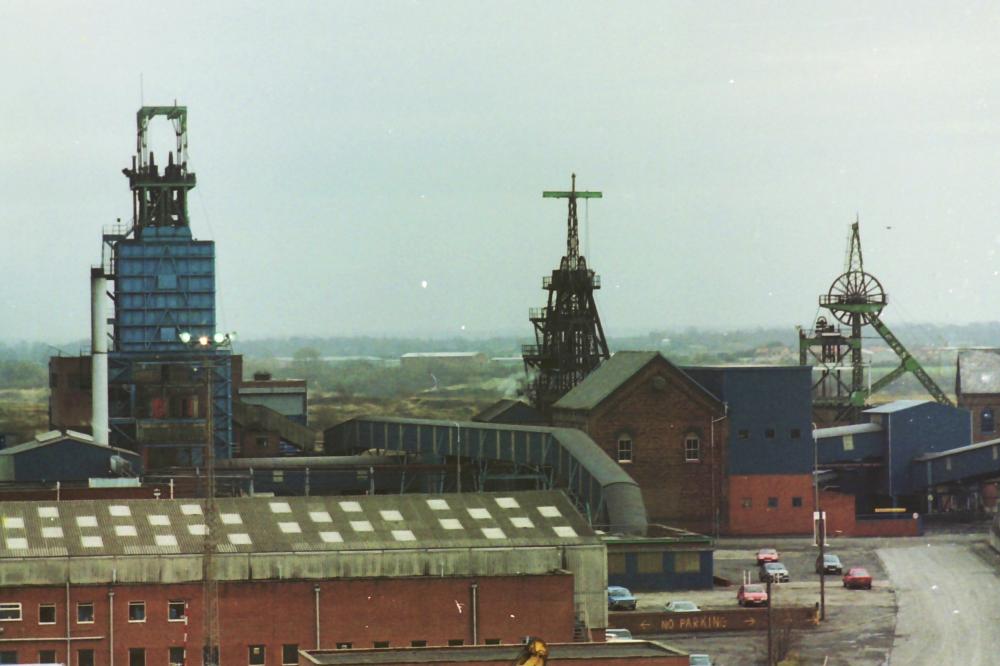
x: 348, y: 151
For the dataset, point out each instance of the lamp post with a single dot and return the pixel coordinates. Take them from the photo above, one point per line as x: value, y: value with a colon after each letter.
x: 820, y: 527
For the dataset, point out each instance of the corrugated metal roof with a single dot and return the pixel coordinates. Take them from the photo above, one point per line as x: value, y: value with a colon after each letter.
x: 292, y: 524
x: 605, y: 380
x: 840, y: 431
x: 979, y: 371
x: 55, y: 436
x: 896, y: 406
x: 961, y: 449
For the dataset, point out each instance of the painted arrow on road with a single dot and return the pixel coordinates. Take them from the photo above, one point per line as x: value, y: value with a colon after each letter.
x: 644, y: 625
x: 750, y: 622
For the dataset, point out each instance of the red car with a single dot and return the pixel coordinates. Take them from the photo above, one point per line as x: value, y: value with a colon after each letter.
x: 767, y: 555
x: 858, y: 577
x: 752, y: 594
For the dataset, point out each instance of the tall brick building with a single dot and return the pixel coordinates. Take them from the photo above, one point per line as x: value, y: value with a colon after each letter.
x: 977, y: 388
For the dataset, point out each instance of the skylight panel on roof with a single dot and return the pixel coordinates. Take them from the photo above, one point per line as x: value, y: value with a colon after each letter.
x: 125, y: 530
x: 564, y: 531
x: 451, y: 523
x: 48, y: 512
x: 198, y: 529
x: 320, y: 517
x: 493, y: 533
x: 438, y: 505
x: 403, y: 535
x: 231, y: 519
x: 166, y: 540
x: 331, y: 537
x: 280, y: 507
x: 13, y: 522
x: 159, y: 519
x: 391, y: 514
x: 507, y: 503
x: 240, y: 539
x: 480, y: 514
x: 86, y: 521
x: 350, y: 506
x: 52, y: 533
x: 549, y: 511
x: 522, y: 522
x: 119, y: 510
x: 17, y: 543
x: 362, y: 526
x: 191, y: 509
x: 92, y: 541
x: 291, y: 527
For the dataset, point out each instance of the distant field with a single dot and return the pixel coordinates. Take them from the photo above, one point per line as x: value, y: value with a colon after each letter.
x: 23, y: 413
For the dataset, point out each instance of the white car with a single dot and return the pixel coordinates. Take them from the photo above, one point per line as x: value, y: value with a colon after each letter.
x: 616, y: 635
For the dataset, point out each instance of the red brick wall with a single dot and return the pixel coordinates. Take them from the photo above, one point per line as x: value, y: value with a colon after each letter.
x: 274, y: 613
x: 600, y: 656
x: 759, y: 518
x: 888, y: 528
x: 975, y: 404
x: 676, y: 492
x: 251, y: 448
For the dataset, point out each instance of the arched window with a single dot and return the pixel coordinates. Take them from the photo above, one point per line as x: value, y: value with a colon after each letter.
x: 692, y: 448
x: 625, y: 453
x: 986, y: 420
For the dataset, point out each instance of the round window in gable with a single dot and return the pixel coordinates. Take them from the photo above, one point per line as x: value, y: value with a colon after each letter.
x: 659, y: 383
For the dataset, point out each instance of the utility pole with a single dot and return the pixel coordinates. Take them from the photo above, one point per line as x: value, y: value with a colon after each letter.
x: 820, y: 523
x: 770, y: 623
x: 210, y: 584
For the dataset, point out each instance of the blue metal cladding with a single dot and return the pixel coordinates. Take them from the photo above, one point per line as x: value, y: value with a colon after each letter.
x: 770, y: 416
x: 68, y: 460
x: 918, y: 430
x: 861, y: 446
x: 668, y: 578
x: 978, y: 461
x: 164, y: 284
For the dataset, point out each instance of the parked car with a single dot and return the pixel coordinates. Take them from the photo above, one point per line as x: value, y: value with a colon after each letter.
x: 615, y: 635
x: 619, y: 598
x: 775, y: 571
x: 681, y: 606
x: 858, y: 577
x: 751, y: 594
x: 829, y: 563
x: 767, y: 555
x: 699, y: 660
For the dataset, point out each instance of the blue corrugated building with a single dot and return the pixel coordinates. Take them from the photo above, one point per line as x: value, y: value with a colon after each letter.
x: 71, y: 456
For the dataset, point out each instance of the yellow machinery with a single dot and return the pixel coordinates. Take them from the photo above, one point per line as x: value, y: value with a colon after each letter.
x: 534, y: 653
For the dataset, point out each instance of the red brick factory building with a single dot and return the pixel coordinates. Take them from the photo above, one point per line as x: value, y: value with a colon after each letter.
x: 120, y: 582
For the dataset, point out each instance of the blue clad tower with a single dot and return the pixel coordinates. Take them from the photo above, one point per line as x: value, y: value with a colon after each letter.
x: 169, y: 373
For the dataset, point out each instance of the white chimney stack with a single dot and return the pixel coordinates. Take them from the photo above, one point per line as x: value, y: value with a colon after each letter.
x: 98, y: 356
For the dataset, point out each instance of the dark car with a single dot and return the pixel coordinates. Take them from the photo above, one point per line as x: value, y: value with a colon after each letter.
x: 829, y: 564
x: 767, y: 555
x: 752, y: 594
x: 858, y: 577
x: 619, y: 598
x: 775, y: 571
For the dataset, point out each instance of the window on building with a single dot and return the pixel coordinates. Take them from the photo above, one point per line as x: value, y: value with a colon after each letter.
x: 687, y: 562
x: 986, y: 421
x: 493, y: 641
x: 772, y: 502
x: 47, y: 657
x: 8, y: 657
x: 137, y: 657
x: 262, y: 443
x: 625, y: 449
x: 84, y: 658
x: 768, y: 433
x: 256, y: 655
x: 649, y: 563
x: 947, y: 464
x: 454, y: 642
x: 278, y: 476
x: 168, y: 334
x: 797, y: 502
x: 746, y: 503
x: 795, y: 433
x: 418, y: 643
x: 176, y: 610
x: 380, y: 644
x: 848, y: 442
x: 137, y: 611
x: 85, y: 612
x: 344, y: 646
x: 175, y: 656
x: 616, y: 563
x: 743, y: 434
x: 46, y: 613
x: 692, y: 448
x: 10, y: 612
x: 289, y: 654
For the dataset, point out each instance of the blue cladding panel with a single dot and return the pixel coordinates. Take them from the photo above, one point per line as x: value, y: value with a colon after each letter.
x: 67, y: 460
x: 668, y: 578
x: 924, y: 428
x: 164, y: 284
x: 764, y: 400
x: 862, y: 446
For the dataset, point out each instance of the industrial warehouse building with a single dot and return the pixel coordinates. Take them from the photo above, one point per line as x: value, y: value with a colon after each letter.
x: 121, y: 582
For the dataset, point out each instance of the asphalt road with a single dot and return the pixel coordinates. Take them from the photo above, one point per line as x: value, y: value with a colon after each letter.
x: 948, y: 598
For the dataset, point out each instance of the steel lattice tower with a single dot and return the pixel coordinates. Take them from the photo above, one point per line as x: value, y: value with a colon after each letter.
x: 569, y: 338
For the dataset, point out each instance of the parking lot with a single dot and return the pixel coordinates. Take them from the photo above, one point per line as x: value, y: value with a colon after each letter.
x: 860, y: 626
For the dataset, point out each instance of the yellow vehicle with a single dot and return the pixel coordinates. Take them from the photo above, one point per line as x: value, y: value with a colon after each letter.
x: 534, y: 653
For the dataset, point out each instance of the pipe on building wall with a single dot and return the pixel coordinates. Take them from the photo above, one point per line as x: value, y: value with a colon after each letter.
x: 316, y: 592
x: 475, y: 613
x: 98, y: 357
x: 69, y: 630
x: 111, y: 628
x: 715, y: 466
